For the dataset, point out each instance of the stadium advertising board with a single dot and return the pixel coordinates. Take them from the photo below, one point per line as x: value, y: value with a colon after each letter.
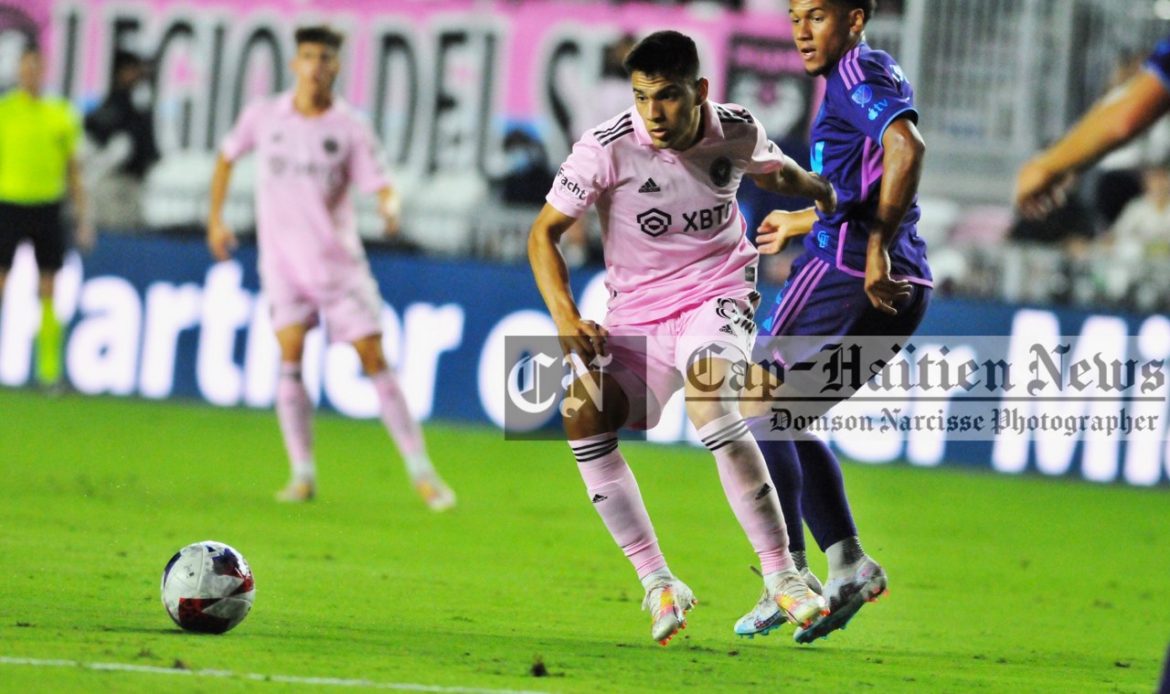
x: 443, y: 81
x: 1062, y: 392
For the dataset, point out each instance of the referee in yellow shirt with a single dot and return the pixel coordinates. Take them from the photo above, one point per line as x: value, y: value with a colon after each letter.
x: 38, y: 166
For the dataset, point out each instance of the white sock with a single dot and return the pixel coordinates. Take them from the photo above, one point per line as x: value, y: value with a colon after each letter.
x: 656, y: 576
x: 843, y: 556
x: 418, y: 465
x: 304, y: 470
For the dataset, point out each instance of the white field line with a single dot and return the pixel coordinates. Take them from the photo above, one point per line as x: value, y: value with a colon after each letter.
x: 284, y: 679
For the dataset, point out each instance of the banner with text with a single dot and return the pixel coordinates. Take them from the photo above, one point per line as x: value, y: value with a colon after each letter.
x: 443, y: 81
x: 1016, y: 389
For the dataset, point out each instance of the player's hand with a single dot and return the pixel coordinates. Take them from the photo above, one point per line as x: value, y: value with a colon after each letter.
x: 1039, y: 190
x: 585, y: 338
x: 883, y: 291
x: 827, y: 202
x: 390, y: 208
x: 86, y: 236
x: 777, y: 229
x: 220, y: 239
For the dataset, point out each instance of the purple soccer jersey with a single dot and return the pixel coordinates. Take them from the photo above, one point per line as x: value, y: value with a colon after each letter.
x: 864, y: 94
x: 672, y: 232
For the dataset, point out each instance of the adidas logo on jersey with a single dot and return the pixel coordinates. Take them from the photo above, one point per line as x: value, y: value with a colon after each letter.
x: 649, y: 187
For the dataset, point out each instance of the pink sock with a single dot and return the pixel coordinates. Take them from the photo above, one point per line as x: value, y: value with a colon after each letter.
x: 401, y: 424
x: 294, y: 411
x: 749, y: 490
x: 615, y: 495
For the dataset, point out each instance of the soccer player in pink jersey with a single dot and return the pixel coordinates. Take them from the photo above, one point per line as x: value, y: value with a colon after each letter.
x: 681, y: 276
x: 312, y: 146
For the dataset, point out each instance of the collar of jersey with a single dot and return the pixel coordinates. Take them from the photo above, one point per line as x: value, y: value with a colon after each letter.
x: 713, y: 130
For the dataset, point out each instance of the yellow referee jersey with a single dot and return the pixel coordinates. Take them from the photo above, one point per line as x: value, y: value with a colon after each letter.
x: 38, y: 136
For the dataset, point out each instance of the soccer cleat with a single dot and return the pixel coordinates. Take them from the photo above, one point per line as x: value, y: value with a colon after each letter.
x: 297, y: 491
x: 797, y: 601
x: 668, y: 602
x: 434, y: 491
x: 846, y: 596
x: 766, y: 616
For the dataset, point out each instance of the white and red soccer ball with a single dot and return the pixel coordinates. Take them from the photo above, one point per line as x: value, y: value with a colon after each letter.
x: 208, y: 587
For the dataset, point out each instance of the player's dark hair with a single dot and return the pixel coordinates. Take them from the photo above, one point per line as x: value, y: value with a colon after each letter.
x: 666, y: 54
x: 322, y: 34
x: 866, y: 6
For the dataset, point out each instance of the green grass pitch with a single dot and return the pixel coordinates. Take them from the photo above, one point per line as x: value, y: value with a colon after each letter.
x: 997, y: 584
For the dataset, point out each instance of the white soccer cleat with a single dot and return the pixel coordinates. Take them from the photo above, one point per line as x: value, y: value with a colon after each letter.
x: 434, y: 491
x: 797, y: 601
x: 767, y: 616
x: 297, y: 491
x: 668, y: 602
x: 846, y: 596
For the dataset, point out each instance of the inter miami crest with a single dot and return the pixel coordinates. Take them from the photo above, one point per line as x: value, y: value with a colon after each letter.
x: 330, y: 145
x: 721, y: 171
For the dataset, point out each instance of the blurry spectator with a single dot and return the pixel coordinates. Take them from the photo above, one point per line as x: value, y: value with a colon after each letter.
x: 122, y: 129
x: 38, y: 139
x: 529, y: 175
x: 1143, y: 229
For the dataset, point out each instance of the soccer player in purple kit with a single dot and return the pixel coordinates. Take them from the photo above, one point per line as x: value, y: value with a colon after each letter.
x: 312, y: 146
x: 863, y: 273
x: 681, y: 274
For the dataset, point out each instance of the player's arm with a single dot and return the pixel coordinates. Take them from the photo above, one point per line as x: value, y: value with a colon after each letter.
x: 903, y: 155
x: 1042, y: 181
x: 86, y: 235
x: 390, y: 208
x: 791, y: 179
x: 552, y: 279
x: 220, y: 238
x: 781, y: 226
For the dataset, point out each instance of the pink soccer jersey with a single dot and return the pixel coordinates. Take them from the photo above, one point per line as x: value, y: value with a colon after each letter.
x: 672, y: 232
x: 306, y: 229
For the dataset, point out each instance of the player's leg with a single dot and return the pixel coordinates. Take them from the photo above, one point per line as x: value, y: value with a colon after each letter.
x: 402, y: 426
x: 48, y: 235
x: 592, y: 427
x: 10, y: 237
x: 708, y: 358
x: 294, y: 411
x: 854, y: 577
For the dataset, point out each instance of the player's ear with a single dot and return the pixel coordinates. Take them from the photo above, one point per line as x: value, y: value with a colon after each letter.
x: 701, y: 89
x: 857, y: 21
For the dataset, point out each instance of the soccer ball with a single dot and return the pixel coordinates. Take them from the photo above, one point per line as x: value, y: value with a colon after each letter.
x: 208, y: 587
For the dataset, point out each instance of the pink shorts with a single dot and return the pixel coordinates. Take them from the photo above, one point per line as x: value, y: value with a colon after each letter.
x: 351, y: 310
x: 649, y: 359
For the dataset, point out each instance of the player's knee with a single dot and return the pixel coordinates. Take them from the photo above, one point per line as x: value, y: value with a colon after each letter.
x: 703, y: 412
x: 591, y: 408
x: 371, y: 356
